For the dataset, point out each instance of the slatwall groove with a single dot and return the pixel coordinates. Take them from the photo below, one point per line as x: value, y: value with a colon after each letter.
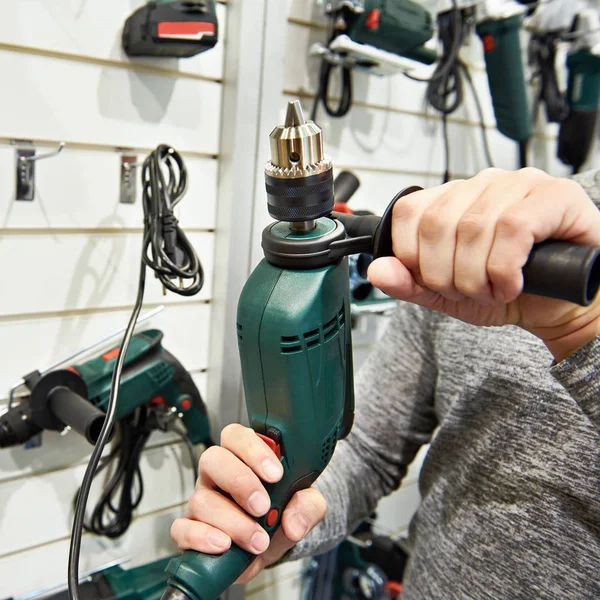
x: 42, y: 231
x: 92, y: 311
x: 51, y: 144
x: 105, y: 62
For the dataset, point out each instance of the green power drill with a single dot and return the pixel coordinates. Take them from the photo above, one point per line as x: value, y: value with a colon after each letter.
x: 77, y: 396
x: 498, y: 26
x: 294, y: 333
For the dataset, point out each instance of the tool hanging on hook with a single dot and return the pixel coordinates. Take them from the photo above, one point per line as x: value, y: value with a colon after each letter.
x: 25, y: 167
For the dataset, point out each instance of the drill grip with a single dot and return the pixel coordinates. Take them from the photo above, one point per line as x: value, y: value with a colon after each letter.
x: 206, y: 576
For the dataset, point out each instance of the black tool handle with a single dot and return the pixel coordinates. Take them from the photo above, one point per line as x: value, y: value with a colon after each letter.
x: 77, y: 412
x: 345, y: 186
x: 554, y: 269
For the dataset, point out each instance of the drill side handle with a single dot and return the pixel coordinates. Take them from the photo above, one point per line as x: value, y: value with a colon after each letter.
x: 554, y: 269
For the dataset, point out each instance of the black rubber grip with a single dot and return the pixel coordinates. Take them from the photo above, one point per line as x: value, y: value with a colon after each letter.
x: 564, y: 271
x: 345, y: 186
x: 77, y: 412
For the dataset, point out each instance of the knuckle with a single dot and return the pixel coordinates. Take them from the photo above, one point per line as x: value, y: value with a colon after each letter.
x: 471, y: 227
x: 209, y: 457
x: 230, y: 432
x: 197, y: 504
x: 499, y: 271
x: 242, y: 482
x: 432, y: 224
x: 468, y: 287
x: 532, y: 173
x: 512, y: 223
x: 491, y: 173
x: 404, y: 209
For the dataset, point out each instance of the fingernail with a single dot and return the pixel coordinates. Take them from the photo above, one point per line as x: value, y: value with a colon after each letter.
x: 299, y: 524
x: 218, y: 540
x: 273, y: 470
x: 259, y: 503
x: 260, y: 541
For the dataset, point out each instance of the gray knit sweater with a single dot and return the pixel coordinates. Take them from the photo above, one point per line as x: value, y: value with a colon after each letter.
x: 511, y: 483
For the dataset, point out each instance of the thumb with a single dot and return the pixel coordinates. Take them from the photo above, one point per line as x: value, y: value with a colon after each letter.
x: 394, y: 279
x: 304, y: 512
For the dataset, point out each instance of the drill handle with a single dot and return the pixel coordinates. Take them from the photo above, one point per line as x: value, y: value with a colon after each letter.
x: 206, y: 576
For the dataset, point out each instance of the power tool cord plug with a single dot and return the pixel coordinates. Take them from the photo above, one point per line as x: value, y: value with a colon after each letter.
x: 160, y: 198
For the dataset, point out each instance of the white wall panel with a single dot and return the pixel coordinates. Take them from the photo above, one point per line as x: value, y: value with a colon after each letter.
x: 50, y: 98
x: 93, y: 30
x: 64, y: 272
x: 43, y: 502
x: 147, y: 540
x: 81, y: 188
x: 186, y: 330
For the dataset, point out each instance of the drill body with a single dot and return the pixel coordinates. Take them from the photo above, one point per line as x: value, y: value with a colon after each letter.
x: 294, y: 338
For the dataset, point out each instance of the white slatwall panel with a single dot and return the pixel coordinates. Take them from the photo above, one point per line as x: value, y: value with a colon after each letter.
x: 59, y: 99
x: 92, y: 30
x: 79, y: 270
x: 70, y: 258
x: 80, y: 189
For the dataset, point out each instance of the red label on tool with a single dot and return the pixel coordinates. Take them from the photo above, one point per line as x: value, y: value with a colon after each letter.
x: 191, y: 30
x: 111, y: 354
x: 373, y: 19
x: 489, y: 43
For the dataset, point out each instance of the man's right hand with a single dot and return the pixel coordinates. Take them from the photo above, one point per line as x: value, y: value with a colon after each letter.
x: 237, y: 468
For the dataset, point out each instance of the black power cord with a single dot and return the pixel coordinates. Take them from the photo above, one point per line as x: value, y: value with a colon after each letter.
x: 445, y: 88
x: 122, y: 494
x: 172, y: 256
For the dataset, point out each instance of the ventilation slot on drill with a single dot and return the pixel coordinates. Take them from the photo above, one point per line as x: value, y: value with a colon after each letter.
x: 160, y: 375
x: 239, y: 332
x: 342, y: 316
x: 329, y: 446
x: 290, y: 344
x: 330, y: 329
x: 312, y: 339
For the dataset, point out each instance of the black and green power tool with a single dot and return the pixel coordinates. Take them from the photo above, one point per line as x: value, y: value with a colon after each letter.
x: 171, y: 28
x: 294, y: 335
x: 499, y: 27
x: 77, y: 396
x: 577, y: 131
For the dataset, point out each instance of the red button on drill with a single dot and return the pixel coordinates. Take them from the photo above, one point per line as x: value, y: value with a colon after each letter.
x: 272, y: 517
x: 489, y: 43
x: 271, y: 443
x: 186, y: 404
x: 373, y: 19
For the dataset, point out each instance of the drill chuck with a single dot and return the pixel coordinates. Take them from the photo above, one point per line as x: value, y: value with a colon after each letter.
x: 299, y: 176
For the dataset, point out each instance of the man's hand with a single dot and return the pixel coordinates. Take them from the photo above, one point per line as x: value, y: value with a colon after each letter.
x: 213, y: 521
x: 460, y: 249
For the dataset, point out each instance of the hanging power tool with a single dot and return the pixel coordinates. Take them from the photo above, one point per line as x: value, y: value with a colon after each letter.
x: 293, y: 328
x: 499, y: 24
x: 380, y: 36
x: 583, y: 92
x: 365, y: 566
x: 171, y: 28
x: 145, y: 582
x: 77, y: 396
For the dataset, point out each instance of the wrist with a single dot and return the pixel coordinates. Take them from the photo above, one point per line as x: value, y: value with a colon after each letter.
x: 573, y: 335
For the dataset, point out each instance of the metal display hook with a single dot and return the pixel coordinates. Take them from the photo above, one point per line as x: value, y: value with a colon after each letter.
x: 25, y: 167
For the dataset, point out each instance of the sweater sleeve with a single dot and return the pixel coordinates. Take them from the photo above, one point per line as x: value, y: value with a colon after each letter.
x: 579, y: 374
x: 394, y: 417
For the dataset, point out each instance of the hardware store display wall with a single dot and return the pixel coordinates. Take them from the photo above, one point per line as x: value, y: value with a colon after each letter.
x: 389, y: 142
x: 70, y: 258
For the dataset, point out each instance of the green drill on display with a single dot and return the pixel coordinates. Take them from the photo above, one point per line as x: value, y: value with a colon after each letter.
x: 500, y: 35
x: 294, y: 334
